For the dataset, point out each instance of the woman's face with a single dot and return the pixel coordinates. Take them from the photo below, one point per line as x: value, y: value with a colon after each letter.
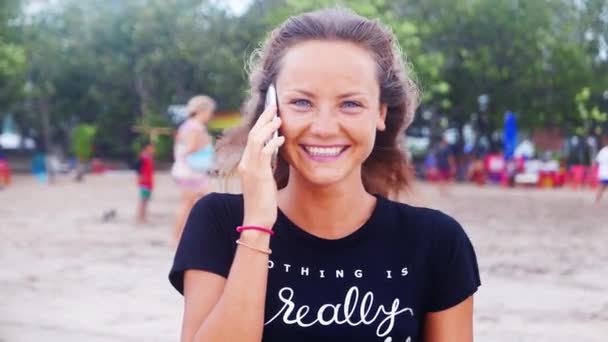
x: 329, y: 102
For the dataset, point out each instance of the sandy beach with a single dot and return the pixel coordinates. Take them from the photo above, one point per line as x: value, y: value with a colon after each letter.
x: 69, y: 276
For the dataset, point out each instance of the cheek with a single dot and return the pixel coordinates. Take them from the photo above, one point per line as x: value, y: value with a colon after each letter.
x: 290, y: 127
x: 291, y: 131
x: 364, y: 131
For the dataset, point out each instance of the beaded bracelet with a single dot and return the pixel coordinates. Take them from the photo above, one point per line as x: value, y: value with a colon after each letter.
x: 265, y: 251
x: 258, y: 228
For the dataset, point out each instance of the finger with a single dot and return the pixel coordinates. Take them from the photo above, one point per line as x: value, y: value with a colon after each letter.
x: 259, y: 137
x: 267, y: 115
x: 273, y: 145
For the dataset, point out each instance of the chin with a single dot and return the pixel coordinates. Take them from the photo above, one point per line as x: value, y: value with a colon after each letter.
x: 324, y: 178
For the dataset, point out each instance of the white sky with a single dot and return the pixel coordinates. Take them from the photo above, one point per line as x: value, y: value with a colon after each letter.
x: 238, y: 7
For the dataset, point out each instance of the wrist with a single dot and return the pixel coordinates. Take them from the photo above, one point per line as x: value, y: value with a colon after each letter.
x: 255, y: 237
x: 260, y: 222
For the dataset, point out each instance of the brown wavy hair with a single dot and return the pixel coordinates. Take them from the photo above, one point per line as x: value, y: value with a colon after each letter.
x: 387, y: 170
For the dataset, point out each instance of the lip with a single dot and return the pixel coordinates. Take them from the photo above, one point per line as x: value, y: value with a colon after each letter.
x: 320, y: 158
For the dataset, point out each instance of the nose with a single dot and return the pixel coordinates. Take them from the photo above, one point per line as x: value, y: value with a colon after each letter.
x: 325, y: 123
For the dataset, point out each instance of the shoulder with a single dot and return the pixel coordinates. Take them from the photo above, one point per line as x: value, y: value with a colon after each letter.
x: 417, y: 214
x: 186, y: 127
x: 433, y: 224
x: 218, y: 203
x: 215, y: 213
x: 192, y: 124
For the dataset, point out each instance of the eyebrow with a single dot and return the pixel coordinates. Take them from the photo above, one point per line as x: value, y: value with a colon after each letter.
x: 307, y: 93
x: 349, y: 94
x: 341, y: 96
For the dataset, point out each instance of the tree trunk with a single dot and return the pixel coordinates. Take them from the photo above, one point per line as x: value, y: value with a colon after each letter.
x: 144, y: 95
x: 44, y: 107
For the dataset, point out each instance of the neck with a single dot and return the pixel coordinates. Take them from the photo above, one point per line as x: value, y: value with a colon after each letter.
x: 331, y: 211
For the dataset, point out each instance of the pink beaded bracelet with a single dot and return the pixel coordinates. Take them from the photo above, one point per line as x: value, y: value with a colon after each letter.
x: 258, y: 228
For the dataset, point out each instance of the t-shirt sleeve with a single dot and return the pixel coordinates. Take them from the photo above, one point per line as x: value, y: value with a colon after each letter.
x: 602, y: 156
x: 205, y: 244
x: 455, y: 273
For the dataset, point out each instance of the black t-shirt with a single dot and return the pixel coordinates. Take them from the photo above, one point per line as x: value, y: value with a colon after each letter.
x: 373, y: 285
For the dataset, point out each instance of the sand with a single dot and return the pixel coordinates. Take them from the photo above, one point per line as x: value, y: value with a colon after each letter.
x: 69, y: 276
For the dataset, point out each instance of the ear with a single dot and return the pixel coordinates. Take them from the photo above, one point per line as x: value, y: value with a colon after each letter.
x: 381, y: 123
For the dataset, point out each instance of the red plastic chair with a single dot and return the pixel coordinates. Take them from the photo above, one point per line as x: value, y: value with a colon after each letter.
x: 98, y: 166
x: 560, y: 178
x: 592, y: 178
x: 5, y: 173
x: 576, y: 176
x: 432, y: 174
x: 545, y: 179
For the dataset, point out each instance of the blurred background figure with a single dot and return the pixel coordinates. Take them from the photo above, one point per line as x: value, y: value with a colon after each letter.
x: 477, y: 171
x: 193, y: 155
x: 145, y: 180
x: 39, y: 167
x: 446, y: 165
x: 602, y: 163
x: 5, y: 170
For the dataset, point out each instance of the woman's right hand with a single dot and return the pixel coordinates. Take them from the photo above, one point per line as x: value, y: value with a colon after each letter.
x: 257, y: 180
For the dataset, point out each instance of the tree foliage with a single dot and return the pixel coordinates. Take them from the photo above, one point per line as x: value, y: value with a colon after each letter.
x: 114, y: 64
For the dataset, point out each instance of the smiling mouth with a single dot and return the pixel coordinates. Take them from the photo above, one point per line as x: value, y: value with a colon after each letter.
x: 324, y: 151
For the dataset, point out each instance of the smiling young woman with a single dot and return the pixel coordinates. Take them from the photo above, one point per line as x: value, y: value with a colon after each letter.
x: 320, y: 252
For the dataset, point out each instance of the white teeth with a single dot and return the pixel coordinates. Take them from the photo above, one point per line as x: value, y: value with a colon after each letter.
x: 323, y: 151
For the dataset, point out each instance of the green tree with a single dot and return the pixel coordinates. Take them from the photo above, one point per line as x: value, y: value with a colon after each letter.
x: 12, y: 56
x: 123, y: 62
x: 82, y: 144
x: 426, y: 63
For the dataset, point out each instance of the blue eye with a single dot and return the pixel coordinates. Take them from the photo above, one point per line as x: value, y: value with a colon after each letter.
x: 351, y: 104
x: 301, y: 103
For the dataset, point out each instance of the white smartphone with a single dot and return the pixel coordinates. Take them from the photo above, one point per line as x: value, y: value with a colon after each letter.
x: 271, y: 97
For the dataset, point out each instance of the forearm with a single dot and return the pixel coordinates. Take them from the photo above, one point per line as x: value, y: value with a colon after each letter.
x: 239, y: 313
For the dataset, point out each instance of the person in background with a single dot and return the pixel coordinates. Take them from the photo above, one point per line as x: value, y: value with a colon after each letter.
x: 193, y: 155
x: 446, y: 165
x: 477, y: 171
x: 602, y: 161
x: 5, y: 170
x: 145, y: 181
x: 39, y: 167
